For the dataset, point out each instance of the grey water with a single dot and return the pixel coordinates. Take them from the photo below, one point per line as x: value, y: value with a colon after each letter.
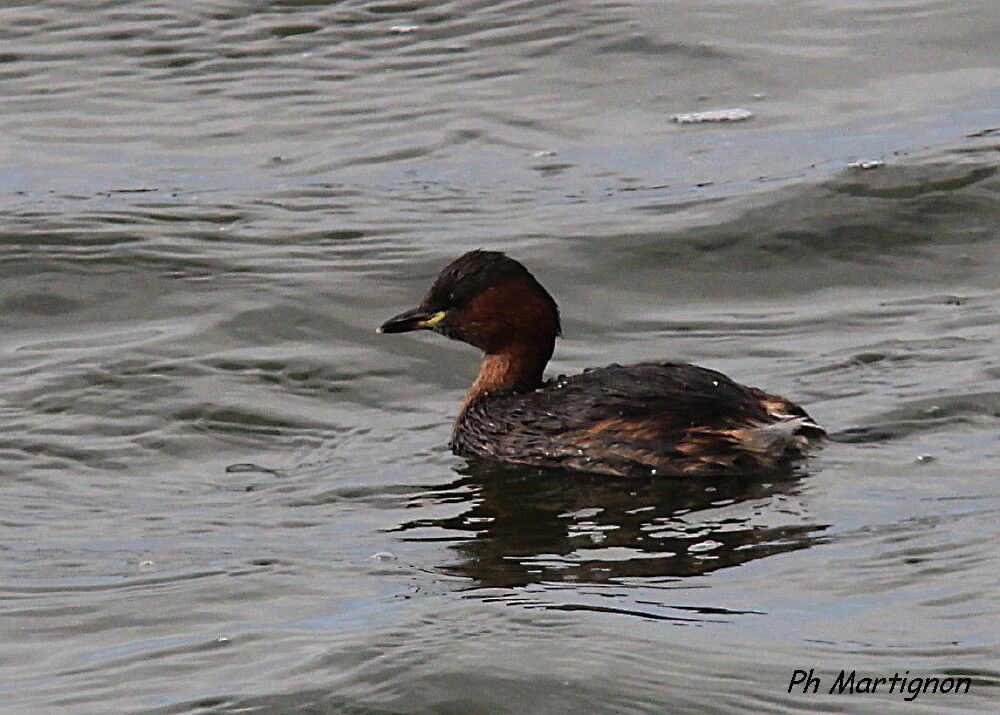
x: 223, y: 492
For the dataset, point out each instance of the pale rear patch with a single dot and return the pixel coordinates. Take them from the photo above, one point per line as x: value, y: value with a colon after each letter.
x: 777, y: 439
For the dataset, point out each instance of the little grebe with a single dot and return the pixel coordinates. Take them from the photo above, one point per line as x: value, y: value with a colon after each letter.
x: 662, y: 418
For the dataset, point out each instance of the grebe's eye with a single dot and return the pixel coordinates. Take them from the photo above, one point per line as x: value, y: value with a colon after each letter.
x: 451, y: 297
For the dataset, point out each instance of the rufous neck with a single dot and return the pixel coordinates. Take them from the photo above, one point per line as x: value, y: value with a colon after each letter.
x: 518, y: 367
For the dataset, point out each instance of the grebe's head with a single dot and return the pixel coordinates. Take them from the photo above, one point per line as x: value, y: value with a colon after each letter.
x: 487, y: 300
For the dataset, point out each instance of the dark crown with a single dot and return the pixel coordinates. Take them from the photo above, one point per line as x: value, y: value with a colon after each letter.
x: 469, y: 275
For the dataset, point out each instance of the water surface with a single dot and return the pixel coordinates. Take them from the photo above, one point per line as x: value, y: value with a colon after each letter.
x: 224, y: 492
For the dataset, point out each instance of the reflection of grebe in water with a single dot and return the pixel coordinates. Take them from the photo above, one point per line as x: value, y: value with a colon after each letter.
x: 518, y: 527
x: 652, y: 418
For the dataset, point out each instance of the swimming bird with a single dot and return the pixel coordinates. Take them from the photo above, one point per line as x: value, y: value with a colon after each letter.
x: 651, y: 418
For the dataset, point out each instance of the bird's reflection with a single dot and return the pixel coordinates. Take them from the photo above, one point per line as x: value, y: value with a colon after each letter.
x: 520, y: 526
